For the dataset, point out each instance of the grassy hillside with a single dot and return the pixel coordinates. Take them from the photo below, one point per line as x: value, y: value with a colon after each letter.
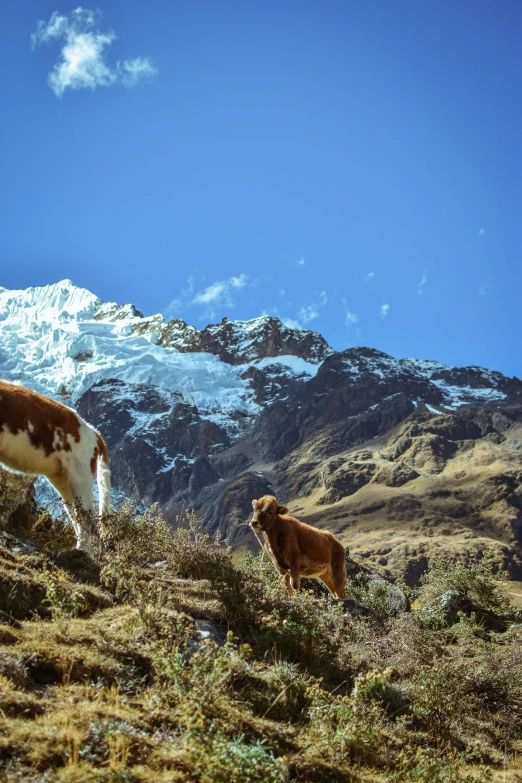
x: 164, y: 660
x: 422, y: 491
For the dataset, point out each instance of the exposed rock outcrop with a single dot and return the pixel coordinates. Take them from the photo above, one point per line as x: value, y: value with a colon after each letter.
x: 18, y: 510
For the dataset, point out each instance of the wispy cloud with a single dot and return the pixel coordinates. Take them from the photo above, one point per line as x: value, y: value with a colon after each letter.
x: 421, y: 284
x: 310, y: 312
x: 384, y: 310
x: 133, y: 71
x: 482, y: 290
x: 82, y: 63
x: 301, y: 262
x: 481, y: 232
x: 291, y: 323
x: 350, y: 318
x: 369, y: 277
x: 213, y: 298
x: 220, y: 294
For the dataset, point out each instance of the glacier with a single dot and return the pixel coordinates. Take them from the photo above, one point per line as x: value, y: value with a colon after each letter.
x: 60, y: 340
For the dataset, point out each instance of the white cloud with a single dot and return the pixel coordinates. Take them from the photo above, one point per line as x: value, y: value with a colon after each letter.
x: 131, y: 71
x: 384, y: 310
x: 420, y: 286
x: 282, y: 292
x: 481, y: 232
x: 482, y: 290
x: 82, y: 62
x: 350, y: 318
x: 220, y: 292
x: 291, y: 323
x: 214, y: 298
x: 309, y: 313
x: 301, y: 262
x: 369, y: 277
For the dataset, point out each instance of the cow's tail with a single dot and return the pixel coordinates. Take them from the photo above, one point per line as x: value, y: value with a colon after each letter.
x: 103, y: 477
x: 339, y: 569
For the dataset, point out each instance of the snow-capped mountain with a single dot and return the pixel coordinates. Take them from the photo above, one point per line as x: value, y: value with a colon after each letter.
x: 211, y: 418
x: 61, y: 340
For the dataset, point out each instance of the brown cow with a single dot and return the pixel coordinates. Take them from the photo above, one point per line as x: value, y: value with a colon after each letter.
x: 299, y: 549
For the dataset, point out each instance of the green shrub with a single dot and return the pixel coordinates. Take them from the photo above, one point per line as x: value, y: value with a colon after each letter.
x: 64, y: 600
x: 430, y: 765
x: 212, y: 757
x: 371, y: 595
x: 476, y: 581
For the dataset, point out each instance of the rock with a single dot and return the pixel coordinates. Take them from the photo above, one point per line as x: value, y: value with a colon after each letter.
x: 338, y: 415
x: 272, y: 381
x: 8, y: 620
x: 397, y: 601
x: 394, y: 474
x: 16, y: 545
x: 202, y: 475
x: 265, y: 337
x: 207, y: 629
x: 298, y: 481
x: 80, y: 565
x: 415, y: 568
x: 229, y: 465
x: 341, y: 478
x: 426, y: 451
x: 18, y: 511
x: 227, y: 508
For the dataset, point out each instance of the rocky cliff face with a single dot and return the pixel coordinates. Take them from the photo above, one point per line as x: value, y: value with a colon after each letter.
x: 401, y: 459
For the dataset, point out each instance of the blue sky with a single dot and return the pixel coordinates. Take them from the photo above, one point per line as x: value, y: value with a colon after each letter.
x: 352, y: 167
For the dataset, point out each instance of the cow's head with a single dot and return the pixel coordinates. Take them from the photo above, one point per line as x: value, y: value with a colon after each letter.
x: 266, y: 511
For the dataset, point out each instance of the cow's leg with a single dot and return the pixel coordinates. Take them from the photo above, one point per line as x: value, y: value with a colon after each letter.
x: 295, y: 572
x: 340, y: 591
x: 329, y: 582
x: 81, y: 486
x: 61, y: 484
x: 288, y: 583
x: 338, y: 570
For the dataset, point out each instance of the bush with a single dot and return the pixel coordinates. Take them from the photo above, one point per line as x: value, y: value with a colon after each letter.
x: 52, y: 535
x: 372, y: 595
x: 476, y: 581
x: 213, y: 757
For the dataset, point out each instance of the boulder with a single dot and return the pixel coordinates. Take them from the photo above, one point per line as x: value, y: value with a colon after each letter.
x: 17, y: 508
x: 397, y: 602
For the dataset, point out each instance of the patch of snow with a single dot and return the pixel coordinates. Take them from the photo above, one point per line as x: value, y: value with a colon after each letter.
x: 295, y: 364
x: 455, y: 396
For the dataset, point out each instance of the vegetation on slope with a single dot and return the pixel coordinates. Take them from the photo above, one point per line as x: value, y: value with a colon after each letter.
x: 166, y: 661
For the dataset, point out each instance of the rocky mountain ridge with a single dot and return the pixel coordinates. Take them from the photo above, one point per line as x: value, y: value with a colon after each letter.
x: 400, y: 458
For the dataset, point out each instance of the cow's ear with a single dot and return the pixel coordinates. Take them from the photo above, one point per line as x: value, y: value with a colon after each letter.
x: 254, y: 504
x: 282, y: 510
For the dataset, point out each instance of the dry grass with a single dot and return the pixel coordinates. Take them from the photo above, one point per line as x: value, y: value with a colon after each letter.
x: 297, y: 691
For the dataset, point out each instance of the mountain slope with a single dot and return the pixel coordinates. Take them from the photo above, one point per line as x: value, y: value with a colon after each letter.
x: 400, y: 458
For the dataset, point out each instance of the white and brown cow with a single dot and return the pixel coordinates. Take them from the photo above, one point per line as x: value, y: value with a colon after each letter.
x: 43, y: 437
